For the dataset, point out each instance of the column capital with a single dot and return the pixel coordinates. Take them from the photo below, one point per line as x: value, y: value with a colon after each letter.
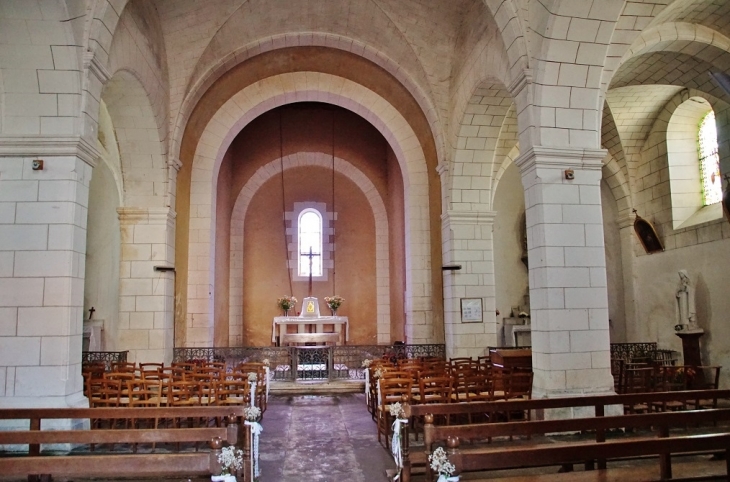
x: 626, y: 220
x: 467, y: 217
x: 132, y: 215
x: 96, y: 67
x: 520, y: 82
x: 174, y: 163
x: 561, y: 157
x: 44, y: 146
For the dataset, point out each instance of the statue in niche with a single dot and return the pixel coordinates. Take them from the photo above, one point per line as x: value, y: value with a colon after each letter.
x: 687, y: 316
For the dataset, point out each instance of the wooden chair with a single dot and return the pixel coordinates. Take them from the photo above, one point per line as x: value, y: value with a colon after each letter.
x: 373, y: 393
x: 187, y: 366
x: 108, y: 395
x: 668, y: 378
x: 518, y: 386
x: 484, y: 363
x: 392, y: 390
x: 638, y: 380
x: 458, y: 360
x: 183, y: 393
x: 233, y: 392
x: 439, y: 365
x: 617, y: 371
x: 143, y: 394
x: 125, y: 367
x: 705, y: 378
x: 93, y: 370
x: 151, y: 366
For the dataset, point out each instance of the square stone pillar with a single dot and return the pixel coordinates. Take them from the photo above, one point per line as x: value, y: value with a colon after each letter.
x: 467, y: 241
x: 146, y: 303
x: 43, y: 215
x: 567, y: 271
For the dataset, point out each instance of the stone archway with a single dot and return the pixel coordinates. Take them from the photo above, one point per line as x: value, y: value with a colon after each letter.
x: 282, y: 89
x: 377, y: 206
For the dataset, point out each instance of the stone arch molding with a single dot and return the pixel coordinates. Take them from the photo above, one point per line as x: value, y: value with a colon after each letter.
x: 264, y: 95
x: 202, y: 81
x: 302, y: 159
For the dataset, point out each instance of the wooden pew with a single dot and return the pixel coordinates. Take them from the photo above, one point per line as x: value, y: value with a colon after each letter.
x: 534, y: 427
x: 559, y: 454
x: 110, y: 464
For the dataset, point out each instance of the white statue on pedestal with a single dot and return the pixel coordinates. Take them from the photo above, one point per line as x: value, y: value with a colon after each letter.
x: 687, y: 317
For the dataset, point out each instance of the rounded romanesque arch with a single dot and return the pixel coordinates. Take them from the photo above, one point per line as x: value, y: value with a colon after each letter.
x: 377, y: 206
x: 275, y: 91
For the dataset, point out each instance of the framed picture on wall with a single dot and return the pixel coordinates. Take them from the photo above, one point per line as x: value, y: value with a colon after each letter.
x: 471, y: 310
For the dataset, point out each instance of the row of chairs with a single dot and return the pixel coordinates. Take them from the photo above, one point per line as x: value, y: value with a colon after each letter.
x: 177, y: 385
x: 644, y: 377
x: 438, y: 381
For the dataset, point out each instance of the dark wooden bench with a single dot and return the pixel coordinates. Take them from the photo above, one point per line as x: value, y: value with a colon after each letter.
x: 117, y: 464
x: 599, y: 423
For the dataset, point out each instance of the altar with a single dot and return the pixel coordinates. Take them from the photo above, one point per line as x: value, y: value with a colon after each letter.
x: 310, y: 325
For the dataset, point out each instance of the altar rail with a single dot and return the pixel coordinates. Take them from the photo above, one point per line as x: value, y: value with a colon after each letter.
x: 340, y: 362
x: 627, y: 352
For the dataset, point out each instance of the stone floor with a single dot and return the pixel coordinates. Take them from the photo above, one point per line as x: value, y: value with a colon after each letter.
x: 321, y: 438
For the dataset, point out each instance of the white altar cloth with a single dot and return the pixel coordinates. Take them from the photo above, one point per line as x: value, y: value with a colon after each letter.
x: 301, y: 322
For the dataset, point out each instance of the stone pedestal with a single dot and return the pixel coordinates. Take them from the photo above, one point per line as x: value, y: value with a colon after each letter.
x: 691, y: 346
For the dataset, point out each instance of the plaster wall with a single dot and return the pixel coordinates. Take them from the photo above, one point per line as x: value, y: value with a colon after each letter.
x: 396, y: 217
x: 306, y: 127
x: 264, y: 261
x: 657, y: 304
x: 101, y: 285
x: 509, y: 270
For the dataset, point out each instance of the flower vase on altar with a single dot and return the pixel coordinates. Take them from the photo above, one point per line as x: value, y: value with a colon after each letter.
x: 286, y: 303
x: 333, y: 302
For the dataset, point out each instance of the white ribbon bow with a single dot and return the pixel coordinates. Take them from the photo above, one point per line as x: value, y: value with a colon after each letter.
x: 256, y: 429
x: 395, y: 446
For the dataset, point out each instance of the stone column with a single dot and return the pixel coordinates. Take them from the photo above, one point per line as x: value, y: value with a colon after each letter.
x: 634, y: 330
x: 43, y: 215
x: 146, y: 292
x: 467, y: 241
x: 568, y: 296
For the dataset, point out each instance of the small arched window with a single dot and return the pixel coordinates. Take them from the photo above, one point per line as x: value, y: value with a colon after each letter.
x: 709, y: 160
x: 310, y: 240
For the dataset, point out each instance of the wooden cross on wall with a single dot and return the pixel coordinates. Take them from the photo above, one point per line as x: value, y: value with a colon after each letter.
x: 310, y: 255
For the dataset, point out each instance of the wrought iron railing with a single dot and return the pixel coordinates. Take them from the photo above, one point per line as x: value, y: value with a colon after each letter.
x: 108, y: 357
x: 633, y: 351
x: 338, y: 362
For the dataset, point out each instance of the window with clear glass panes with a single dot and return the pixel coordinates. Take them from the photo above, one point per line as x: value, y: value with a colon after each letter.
x: 310, y: 240
x: 709, y: 160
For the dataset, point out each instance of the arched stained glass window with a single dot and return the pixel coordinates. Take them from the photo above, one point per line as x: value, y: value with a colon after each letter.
x: 709, y: 160
x: 310, y: 240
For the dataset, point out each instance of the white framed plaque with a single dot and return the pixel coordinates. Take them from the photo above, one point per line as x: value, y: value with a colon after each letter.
x: 471, y: 310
